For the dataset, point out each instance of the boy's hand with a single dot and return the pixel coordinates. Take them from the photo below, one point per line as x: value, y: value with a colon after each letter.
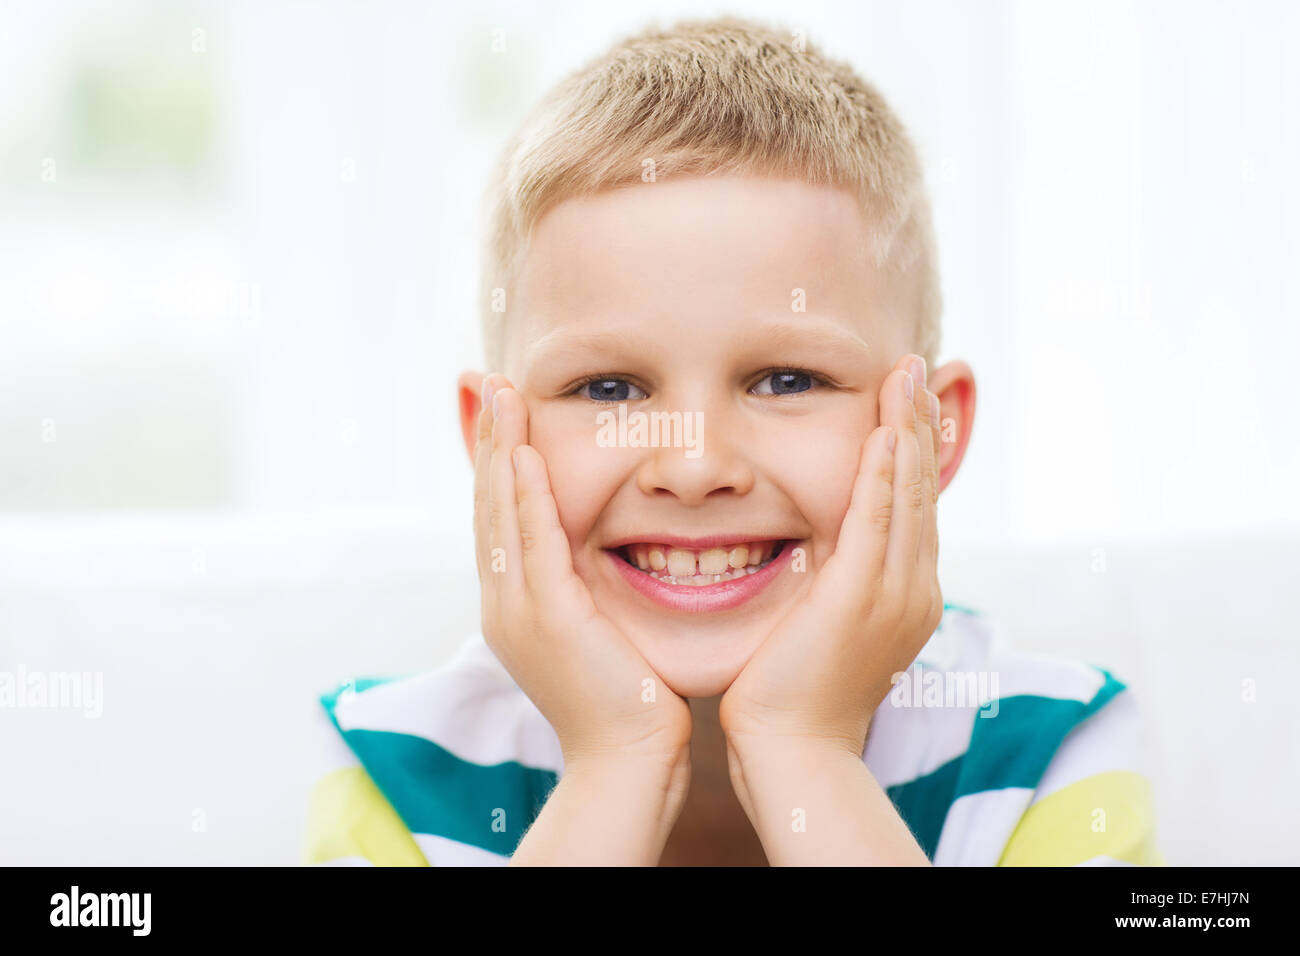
x: 826, y: 667
x: 600, y: 696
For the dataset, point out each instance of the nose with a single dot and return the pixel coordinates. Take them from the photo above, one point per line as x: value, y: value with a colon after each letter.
x: 717, y: 466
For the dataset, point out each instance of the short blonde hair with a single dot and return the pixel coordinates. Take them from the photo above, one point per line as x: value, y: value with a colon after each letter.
x: 725, y: 95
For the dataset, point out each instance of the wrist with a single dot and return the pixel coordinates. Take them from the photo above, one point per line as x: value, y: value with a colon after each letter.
x: 607, y: 811
x: 758, y: 749
x: 660, y: 780
x: 815, y: 802
x: 757, y: 762
x: 589, y: 764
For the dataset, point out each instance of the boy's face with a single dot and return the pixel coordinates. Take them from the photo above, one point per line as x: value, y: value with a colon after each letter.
x: 751, y: 307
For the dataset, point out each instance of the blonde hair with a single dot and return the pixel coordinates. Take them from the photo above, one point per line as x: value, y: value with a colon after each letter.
x: 712, y: 96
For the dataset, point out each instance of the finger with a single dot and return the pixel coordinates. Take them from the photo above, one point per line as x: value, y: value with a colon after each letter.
x: 509, y: 429
x: 927, y: 412
x: 925, y: 416
x: 864, y: 533
x: 898, y: 408
x: 937, y: 412
x: 482, y: 459
x: 547, y: 560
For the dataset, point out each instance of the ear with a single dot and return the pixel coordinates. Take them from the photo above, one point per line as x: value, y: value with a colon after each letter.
x: 954, y: 384
x: 469, y: 396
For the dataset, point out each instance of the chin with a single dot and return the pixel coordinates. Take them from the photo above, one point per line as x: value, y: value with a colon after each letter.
x: 690, y: 670
x: 692, y: 683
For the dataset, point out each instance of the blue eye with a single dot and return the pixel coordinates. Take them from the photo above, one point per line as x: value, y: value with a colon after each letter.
x: 610, y: 390
x: 786, y: 382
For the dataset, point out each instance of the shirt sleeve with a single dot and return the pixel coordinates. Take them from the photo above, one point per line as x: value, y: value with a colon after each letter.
x: 1093, y: 805
x: 349, y: 821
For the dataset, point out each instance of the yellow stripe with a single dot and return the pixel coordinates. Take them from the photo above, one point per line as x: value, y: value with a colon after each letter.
x: 1107, y: 814
x: 348, y: 816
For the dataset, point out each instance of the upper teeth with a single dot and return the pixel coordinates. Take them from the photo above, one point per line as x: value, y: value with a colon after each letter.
x: 681, y: 562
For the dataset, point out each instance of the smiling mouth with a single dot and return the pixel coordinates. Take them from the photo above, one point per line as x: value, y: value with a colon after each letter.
x: 681, y: 566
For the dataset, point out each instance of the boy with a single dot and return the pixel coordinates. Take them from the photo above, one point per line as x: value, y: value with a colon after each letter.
x: 707, y: 462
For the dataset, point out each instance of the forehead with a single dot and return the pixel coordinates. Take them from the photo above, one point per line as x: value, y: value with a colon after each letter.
x: 698, y: 253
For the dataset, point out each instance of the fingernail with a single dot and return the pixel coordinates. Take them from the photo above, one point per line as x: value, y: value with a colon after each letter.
x: 487, y: 391
x: 909, y: 389
x: 496, y: 397
x: 918, y: 370
x: 934, y: 409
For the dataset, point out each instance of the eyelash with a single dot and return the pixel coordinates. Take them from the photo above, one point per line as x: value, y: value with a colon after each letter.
x: 764, y: 375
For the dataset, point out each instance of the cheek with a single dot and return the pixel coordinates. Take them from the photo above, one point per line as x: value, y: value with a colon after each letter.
x: 578, y: 475
x: 823, y: 464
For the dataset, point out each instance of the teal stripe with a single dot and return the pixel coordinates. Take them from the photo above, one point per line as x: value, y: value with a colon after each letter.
x: 434, y: 791
x: 923, y: 803
x: 1109, y: 689
x: 1012, y: 749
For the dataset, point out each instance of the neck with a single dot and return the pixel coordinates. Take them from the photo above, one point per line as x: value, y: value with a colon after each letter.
x: 712, y: 828
x: 708, y: 747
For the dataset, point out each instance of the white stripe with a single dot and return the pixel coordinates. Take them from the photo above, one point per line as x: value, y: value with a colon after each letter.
x: 469, y: 706
x: 328, y: 751
x: 979, y: 825
x: 345, y: 861
x: 1105, y: 861
x: 958, y: 635
x: 978, y: 644
x: 440, y: 851
x: 1111, y: 739
x: 904, y: 743
x: 1019, y: 673
x: 907, y: 742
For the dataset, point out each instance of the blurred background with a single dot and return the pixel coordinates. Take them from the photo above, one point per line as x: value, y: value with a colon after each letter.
x: 238, y: 249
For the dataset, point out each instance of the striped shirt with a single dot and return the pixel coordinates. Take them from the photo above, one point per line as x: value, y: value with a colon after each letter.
x: 990, y: 755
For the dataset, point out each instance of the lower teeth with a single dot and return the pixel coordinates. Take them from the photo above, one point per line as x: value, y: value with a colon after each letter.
x: 701, y: 579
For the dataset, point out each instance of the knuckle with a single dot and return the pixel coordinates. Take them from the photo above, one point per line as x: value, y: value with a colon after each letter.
x: 529, y: 538
x: 496, y: 518
x: 916, y: 493
x: 936, y: 603
x: 881, y: 516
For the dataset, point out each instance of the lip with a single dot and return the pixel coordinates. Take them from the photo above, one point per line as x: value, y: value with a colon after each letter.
x: 694, y: 544
x: 708, y: 597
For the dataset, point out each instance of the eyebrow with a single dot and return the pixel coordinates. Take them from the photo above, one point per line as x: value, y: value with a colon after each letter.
x: 823, y: 335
